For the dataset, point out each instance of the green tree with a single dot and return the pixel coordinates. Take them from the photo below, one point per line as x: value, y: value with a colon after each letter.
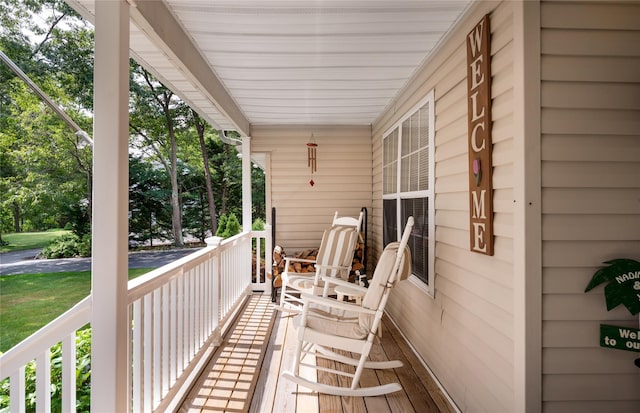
x: 148, y: 191
x: 196, y: 219
x: 43, y: 172
x: 231, y: 226
x: 259, y: 208
x: 201, y: 128
x: 156, y: 118
x: 226, y: 176
x: 42, y: 168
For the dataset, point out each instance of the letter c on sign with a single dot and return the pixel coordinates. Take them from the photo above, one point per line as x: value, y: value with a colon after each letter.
x: 474, y: 144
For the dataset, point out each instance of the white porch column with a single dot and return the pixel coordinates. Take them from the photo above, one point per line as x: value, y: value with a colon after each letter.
x: 527, y: 211
x: 246, y: 184
x: 109, y: 351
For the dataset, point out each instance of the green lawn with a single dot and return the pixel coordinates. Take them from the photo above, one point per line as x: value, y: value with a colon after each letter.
x: 30, y: 301
x: 27, y: 240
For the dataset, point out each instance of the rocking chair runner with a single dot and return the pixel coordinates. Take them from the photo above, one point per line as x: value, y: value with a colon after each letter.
x: 326, y: 323
x: 334, y: 259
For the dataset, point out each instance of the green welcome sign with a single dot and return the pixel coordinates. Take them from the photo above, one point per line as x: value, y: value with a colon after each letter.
x: 623, y: 278
x: 620, y: 338
x: 623, y: 287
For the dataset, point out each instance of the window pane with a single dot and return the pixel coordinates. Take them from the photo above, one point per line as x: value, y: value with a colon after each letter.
x: 423, y: 169
x: 406, y: 137
x: 414, y: 161
x: 390, y: 181
x: 419, y: 239
x: 415, y: 131
x: 423, y: 130
x: 405, y: 169
x: 414, y: 171
x: 390, y: 163
x: 389, y: 223
x: 423, y: 163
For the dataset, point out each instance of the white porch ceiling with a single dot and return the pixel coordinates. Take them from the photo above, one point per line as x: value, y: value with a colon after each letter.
x: 285, y: 62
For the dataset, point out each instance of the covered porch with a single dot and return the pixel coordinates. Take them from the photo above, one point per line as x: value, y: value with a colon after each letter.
x: 152, y: 336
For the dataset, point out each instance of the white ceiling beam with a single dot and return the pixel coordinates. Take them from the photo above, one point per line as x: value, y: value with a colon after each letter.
x: 155, y: 19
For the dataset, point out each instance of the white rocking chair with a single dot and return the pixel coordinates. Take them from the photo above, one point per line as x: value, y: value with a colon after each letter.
x: 327, y: 324
x: 334, y: 260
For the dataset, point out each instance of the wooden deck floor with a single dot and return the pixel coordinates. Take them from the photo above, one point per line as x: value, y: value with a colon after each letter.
x: 243, y: 374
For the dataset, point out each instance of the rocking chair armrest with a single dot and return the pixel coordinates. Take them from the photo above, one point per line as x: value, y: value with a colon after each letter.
x: 343, y: 283
x: 288, y: 259
x: 332, y: 267
x: 293, y: 276
x: 339, y: 271
x: 333, y: 303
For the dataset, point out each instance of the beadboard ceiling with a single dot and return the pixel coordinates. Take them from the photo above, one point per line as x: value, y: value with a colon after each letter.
x: 242, y: 63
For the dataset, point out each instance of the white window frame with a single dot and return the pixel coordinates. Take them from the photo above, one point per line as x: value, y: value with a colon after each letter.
x: 428, y: 287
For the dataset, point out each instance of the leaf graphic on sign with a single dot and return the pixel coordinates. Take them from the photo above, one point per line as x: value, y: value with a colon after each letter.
x: 623, y: 278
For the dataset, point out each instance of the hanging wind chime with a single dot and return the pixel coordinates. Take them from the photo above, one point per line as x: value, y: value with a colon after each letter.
x: 311, y: 158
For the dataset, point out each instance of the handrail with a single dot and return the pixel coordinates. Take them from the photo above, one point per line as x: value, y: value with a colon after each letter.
x: 153, y: 279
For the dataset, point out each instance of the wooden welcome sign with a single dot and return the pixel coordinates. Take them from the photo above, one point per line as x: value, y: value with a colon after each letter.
x: 479, y: 117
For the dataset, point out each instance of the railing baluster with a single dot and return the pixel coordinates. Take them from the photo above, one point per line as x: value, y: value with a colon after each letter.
x: 69, y: 373
x: 189, y: 317
x: 204, y: 331
x: 43, y: 382
x: 215, y: 276
x: 205, y: 300
x: 165, y: 338
x: 173, y: 338
x: 193, y: 314
x: 180, y: 333
x: 16, y: 391
x: 136, y: 346
x: 147, y: 353
x: 156, y: 367
x: 197, y: 311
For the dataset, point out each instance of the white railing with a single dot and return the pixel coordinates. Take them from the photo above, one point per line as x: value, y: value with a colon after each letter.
x: 38, y: 347
x: 178, y: 315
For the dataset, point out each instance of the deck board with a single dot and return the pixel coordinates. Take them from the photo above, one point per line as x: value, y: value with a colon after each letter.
x: 243, y: 375
x: 263, y: 401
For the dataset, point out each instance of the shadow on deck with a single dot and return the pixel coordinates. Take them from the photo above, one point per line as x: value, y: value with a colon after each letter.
x: 243, y: 374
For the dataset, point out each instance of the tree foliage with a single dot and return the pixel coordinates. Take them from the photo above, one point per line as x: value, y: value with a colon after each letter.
x: 150, y: 216
x: 42, y: 170
x: 228, y: 226
x: 182, y: 176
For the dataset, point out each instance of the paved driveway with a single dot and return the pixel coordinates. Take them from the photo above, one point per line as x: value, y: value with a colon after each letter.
x: 23, y: 262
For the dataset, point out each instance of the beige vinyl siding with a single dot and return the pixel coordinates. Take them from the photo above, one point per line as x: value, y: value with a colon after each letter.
x: 342, y: 180
x: 590, y: 148
x: 464, y: 333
